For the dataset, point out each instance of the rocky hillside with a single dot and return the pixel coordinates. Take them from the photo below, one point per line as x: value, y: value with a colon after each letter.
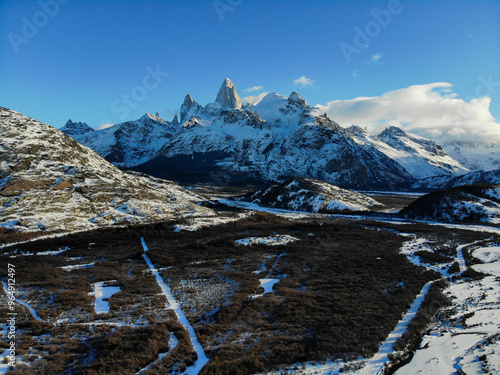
x: 48, y: 181
x: 304, y: 194
x: 462, y: 204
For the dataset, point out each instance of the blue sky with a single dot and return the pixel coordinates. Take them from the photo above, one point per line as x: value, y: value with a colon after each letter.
x: 78, y: 59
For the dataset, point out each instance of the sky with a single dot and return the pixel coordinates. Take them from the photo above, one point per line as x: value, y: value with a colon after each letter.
x: 432, y: 67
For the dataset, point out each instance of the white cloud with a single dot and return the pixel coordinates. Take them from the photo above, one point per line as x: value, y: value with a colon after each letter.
x: 303, y: 81
x: 254, y: 89
x: 375, y: 58
x: 430, y: 110
x: 254, y: 99
x: 355, y: 73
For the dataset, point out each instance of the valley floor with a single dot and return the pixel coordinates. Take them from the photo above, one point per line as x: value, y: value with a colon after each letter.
x: 262, y: 293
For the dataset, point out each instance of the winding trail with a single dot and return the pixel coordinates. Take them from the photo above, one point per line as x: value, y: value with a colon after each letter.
x: 375, y: 365
x: 174, y: 305
x: 172, y: 343
x: 25, y: 304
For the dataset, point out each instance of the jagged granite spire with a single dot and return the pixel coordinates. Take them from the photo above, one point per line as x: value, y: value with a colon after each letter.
x: 175, y: 121
x: 188, y: 107
x: 228, y: 97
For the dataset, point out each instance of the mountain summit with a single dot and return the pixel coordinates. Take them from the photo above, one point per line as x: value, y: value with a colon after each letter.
x: 228, y: 97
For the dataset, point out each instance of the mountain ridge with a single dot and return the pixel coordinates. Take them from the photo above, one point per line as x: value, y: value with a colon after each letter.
x: 272, y: 140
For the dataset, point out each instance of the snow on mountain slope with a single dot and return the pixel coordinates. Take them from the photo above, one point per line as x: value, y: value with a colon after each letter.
x: 273, y: 140
x: 303, y: 194
x: 77, y: 130
x: 50, y: 182
x: 421, y: 157
x: 126, y: 144
x: 466, y: 204
x: 475, y: 155
x: 446, y: 181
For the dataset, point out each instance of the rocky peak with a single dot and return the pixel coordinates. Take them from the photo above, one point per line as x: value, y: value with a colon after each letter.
x: 356, y: 130
x: 175, y: 121
x: 148, y: 116
x: 189, y: 108
x: 228, y: 97
x: 392, y: 131
x: 76, y: 128
x: 296, y: 100
x: 188, y: 101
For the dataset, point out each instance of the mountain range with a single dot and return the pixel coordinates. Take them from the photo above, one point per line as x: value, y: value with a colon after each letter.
x: 272, y: 140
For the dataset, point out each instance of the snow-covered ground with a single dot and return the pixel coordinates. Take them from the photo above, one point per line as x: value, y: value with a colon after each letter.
x: 174, y: 305
x: 270, y: 240
x: 268, y: 285
x: 375, y: 365
x: 102, y: 293
x: 466, y: 339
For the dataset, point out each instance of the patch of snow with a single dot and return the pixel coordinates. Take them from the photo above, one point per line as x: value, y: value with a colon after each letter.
x: 102, y: 293
x: 270, y: 240
x: 77, y: 266
x: 268, y: 285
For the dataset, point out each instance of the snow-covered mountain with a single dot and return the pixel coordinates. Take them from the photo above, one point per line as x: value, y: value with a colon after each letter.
x: 421, y: 157
x: 304, y: 194
x: 77, y: 130
x: 464, y: 204
x: 446, y: 181
x: 272, y: 140
x: 48, y: 181
x: 475, y: 155
x: 126, y: 144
